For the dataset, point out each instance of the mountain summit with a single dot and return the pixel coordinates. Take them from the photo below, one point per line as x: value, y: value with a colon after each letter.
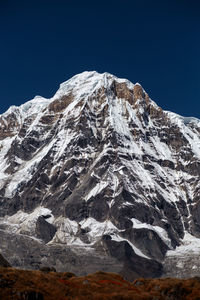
x: 99, y: 170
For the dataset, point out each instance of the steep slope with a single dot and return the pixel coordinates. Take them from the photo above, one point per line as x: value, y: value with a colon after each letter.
x: 101, y: 166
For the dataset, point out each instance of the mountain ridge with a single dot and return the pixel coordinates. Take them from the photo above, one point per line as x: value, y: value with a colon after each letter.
x: 101, y: 166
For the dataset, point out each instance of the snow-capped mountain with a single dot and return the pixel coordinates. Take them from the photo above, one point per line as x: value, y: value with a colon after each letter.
x: 101, y: 170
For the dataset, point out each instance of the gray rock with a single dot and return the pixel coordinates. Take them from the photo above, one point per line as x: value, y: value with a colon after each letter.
x: 132, y: 263
x: 3, y: 262
x: 44, y: 230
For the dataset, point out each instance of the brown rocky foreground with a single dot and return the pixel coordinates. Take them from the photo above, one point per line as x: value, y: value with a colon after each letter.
x: 38, y: 285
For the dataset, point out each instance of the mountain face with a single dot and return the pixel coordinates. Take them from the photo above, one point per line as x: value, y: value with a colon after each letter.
x: 97, y: 173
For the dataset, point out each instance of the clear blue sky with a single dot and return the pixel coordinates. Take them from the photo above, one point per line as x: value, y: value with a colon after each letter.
x: 156, y: 43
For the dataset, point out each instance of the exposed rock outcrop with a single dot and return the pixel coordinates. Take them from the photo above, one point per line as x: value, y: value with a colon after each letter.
x: 44, y: 230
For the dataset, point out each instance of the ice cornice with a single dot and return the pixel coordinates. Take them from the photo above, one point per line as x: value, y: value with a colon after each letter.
x: 185, y: 120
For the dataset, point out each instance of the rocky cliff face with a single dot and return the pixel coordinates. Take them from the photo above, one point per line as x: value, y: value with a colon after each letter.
x: 100, y: 166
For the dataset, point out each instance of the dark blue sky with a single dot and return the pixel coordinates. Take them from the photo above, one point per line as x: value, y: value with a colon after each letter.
x: 156, y: 43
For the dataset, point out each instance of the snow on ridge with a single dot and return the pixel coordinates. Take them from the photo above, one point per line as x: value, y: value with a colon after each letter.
x: 182, y: 119
x: 159, y: 230
x: 5, y: 145
x: 98, y: 229
x: 87, y: 82
x: 26, y: 221
x: 29, y: 108
x: 188, y: 133
x: 10, y: 110
x: 35, y: 105
x: 24, y: 173
x: 189, y: 245
x: 97, y: 189
x: 188, y: 120
x: 82, y: 85
x: 137, y: 251
x: 68, y: 229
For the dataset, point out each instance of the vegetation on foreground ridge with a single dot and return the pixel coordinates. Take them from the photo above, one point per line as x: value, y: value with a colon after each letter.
x: 43, y: 285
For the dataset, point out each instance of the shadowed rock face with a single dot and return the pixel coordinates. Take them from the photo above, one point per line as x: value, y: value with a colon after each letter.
x: 44, y: 230
x: 100, y: 158
x: 3, y: 262
x: 132, y: 262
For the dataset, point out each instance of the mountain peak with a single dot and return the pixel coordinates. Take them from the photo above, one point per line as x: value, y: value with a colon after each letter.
x: 80, y: 85
x: 100, y: 165
x: 88, y: 81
